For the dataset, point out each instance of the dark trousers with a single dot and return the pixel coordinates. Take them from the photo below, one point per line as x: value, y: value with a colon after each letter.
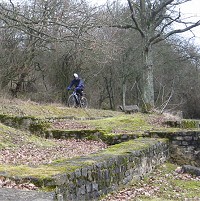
x: 79, y: 91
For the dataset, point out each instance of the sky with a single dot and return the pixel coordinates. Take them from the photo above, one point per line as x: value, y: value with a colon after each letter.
x: 191, y: 8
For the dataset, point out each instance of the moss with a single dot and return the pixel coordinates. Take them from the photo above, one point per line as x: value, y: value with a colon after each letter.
x: 189, y: 123
x: 123, y: 123
x: 146, y: 107
x: 39, y: 127
x: 167, y: 168
x: 190, y: 185
x: 108, y: 138
x: 5, y: 144
x: 156, y: 199
x: 176, y: 125
x: 71, y: 165
x: 45, y: 172
x: 3, y: 118
x: 16, y: 121
x: 39, y: 172
x: 80, y: 134
x: 12, y: 138
x: 129, y: 146
x: 39, y: 141
x: 92, y: 137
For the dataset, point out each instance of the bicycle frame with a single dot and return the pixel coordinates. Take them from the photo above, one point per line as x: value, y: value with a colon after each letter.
x: 75, y: 100
x: 77, y: 97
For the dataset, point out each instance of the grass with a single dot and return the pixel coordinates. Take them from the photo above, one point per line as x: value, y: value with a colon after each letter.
x: 10, y: 137
x: 123, y: 123
x: 110, y: 121
x: 28, y: 108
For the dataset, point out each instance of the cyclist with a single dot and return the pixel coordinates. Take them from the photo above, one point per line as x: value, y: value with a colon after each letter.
x: 78, y: 83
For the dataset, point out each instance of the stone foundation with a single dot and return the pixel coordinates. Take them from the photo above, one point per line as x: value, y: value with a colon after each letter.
x: 184, y: 146
x: 118, y: 165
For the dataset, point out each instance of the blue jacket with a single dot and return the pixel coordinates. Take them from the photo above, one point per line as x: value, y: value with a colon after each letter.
x: 78, y: 83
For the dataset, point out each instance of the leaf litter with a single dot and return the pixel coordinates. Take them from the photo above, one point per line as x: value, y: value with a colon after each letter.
x: 160, y: 184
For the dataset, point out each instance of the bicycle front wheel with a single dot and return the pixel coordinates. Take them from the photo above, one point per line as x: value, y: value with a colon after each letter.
x: 84, y: 102
x: 71, y: 101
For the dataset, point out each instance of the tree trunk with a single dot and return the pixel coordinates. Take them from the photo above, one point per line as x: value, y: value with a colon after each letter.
x: 148, y: 85
x: 123, y: 95
x: 19, y: 84
x: 109, y: 91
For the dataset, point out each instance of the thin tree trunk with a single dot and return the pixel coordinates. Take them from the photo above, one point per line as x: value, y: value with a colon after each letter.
x: 109, y: 91
x: 123, y: 95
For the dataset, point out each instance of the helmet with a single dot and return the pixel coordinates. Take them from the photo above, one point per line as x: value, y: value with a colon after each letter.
x: 75, y: 75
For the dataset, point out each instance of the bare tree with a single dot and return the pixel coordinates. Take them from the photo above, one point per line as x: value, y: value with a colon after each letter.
x: 154, y: 20
x: 55, y: 26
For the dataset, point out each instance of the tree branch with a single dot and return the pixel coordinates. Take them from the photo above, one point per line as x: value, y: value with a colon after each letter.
x: 134, y: 19
x: 163, y: 37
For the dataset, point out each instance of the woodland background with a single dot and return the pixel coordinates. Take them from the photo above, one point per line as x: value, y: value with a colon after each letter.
x: 42, y: 43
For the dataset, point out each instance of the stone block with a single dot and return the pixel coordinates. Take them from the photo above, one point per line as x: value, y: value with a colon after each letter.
x: 191, y: 169
x: 84, y: 172
x: 95, y: 187
x: 88, y: 187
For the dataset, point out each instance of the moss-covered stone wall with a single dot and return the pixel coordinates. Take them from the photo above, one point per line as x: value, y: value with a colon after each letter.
x: 41, y: 127
x: 107, y: 171
x: 33, y: 124
x: 184, y: 146
x: 184, y: 123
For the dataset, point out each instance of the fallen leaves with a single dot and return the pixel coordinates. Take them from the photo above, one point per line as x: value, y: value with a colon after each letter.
x: 8, y: 183
x: 130, y: 193
x: 32, y: 154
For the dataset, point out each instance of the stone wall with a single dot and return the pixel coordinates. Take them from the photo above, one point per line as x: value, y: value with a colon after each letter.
x: 35, y: 125
x: 118, y: 165
x: 87, y: 178
x: 184, y: 146
x: 41, y: 127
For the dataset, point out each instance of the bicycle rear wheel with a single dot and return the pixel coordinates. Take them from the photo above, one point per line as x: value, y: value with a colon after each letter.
x: 83, y: 102
x: 71, y: 101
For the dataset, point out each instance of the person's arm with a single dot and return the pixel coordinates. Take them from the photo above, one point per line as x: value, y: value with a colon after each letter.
x: 71, y: 84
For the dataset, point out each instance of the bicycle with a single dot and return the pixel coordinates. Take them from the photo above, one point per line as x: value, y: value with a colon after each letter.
x: 75, y: 100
